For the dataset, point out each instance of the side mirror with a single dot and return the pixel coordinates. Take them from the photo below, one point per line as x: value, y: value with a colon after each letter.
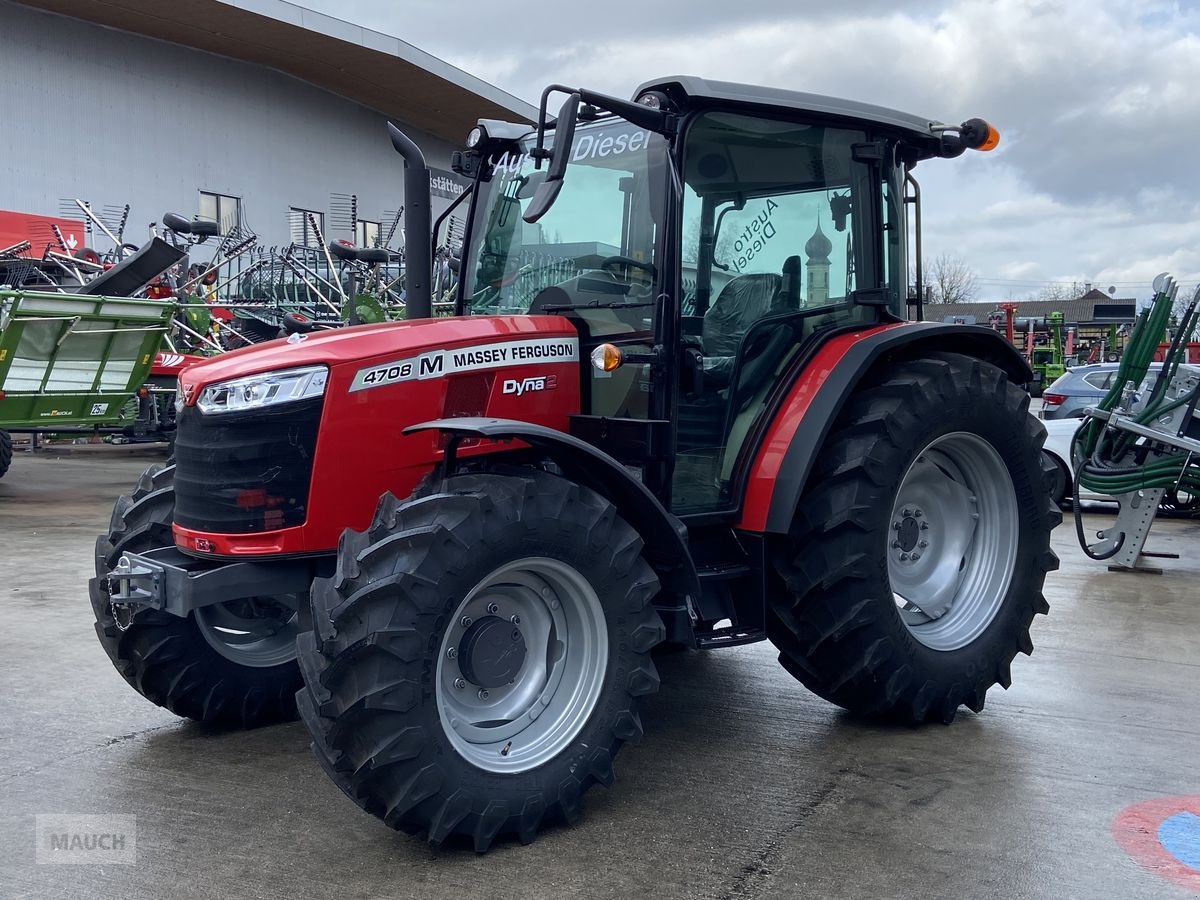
x: 564, y: 136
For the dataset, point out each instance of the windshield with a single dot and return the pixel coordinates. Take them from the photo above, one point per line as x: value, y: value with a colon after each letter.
x: 596, y: 244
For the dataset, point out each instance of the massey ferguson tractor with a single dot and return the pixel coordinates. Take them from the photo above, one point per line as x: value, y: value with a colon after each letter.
x: 680, y: 401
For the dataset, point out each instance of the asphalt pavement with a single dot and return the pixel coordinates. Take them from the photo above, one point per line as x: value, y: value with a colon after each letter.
x: 746, y: 785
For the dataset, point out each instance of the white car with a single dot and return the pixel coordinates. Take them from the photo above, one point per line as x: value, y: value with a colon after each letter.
x: 1058, y: 449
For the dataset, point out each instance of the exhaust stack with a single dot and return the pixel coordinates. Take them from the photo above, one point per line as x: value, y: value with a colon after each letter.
x: 418, y: 240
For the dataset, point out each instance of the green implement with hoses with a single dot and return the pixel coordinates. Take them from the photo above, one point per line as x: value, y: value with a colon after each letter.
x: 71, y: 360
x: 1141, y: 443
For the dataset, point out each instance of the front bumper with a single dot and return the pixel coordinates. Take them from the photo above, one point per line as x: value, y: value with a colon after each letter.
x: 173, y: 582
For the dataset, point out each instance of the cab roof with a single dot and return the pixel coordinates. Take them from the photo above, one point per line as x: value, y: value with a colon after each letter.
x: 693, y: 87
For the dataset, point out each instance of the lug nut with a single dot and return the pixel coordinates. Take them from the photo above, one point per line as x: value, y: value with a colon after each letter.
x: 493, y: 608
x: 483, y: 694
x: 452, y: 653
x: 924, y: 526
x: 459, y: 683
x: 916, y: 556
x: 906, y: 512
x: 466, y: 621
x: 924, y: 544
x: 516, y: 620
x: 895, y: 545
x: 917, y: 514
x: 895, y: 526
x: 904, y: 556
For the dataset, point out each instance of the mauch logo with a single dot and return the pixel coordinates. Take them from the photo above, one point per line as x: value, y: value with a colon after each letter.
x: 83, y: 839
x: 521, y: 386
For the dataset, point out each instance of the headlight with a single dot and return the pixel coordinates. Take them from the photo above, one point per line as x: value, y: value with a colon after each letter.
x: 267, y: 389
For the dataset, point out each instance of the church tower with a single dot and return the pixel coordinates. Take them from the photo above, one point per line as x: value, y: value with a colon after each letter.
x: 817, y: 250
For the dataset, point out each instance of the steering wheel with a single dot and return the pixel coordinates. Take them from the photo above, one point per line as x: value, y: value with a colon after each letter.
x: 611, y: 263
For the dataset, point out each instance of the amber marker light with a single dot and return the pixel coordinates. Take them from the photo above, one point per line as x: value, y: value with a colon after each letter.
x: 606, y: 357
x: 992, y: 139
x: 979, y: 135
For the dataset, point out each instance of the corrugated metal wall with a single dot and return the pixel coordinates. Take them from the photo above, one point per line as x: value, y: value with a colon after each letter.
x: 113, y: 118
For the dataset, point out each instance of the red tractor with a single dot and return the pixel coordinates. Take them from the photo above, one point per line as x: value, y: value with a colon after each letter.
x: 680, y: 402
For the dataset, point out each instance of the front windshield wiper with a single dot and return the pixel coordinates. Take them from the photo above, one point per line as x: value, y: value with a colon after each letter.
x: 596, y: 304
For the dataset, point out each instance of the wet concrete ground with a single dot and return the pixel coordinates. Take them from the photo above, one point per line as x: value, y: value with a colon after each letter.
x: 746, y: 785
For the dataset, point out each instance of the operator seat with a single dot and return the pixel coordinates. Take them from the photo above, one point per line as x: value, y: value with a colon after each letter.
x: 789, y: 293
x: 741, y: 303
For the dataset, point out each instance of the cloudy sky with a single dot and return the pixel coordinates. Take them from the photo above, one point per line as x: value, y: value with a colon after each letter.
x: 1098, y: 104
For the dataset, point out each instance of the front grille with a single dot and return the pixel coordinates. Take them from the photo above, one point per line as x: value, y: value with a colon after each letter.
x: 238, y: 473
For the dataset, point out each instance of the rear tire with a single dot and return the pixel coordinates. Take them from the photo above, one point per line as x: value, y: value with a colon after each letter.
x: 393, y: 702
x: 6, y: 452
x: 181, y: 664
x: 946, y: 428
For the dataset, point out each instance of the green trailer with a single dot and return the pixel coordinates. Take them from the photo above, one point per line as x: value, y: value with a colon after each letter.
x: 73, y: 360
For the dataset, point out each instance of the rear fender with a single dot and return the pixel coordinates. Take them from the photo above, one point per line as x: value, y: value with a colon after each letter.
x: 663, y: 534
x: 784, y: 459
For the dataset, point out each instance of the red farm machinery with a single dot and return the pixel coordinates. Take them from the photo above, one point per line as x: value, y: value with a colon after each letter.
x: 681, y: 401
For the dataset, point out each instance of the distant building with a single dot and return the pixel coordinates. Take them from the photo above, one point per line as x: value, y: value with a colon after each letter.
x: 1093, y: 309
x: 817, y: 250
x: 1091, y: 317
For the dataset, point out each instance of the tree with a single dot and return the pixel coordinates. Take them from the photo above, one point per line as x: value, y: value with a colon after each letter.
x: 1058, y: 292
x: 950, y: 280
x: 1182, y: 301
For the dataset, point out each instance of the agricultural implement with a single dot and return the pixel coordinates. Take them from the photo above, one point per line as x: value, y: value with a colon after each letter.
x: 1141, y: 442
x: 73, y: 361
x: 680, y: 401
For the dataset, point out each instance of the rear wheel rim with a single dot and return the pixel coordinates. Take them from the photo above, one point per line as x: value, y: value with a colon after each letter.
x: 524, y: 722
x: 952, y: 542
x: 257, y: 632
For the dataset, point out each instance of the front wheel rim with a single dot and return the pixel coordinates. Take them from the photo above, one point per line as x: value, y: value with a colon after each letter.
x: 952, y: 541
x: 551, y: 617
x: 255, y: 632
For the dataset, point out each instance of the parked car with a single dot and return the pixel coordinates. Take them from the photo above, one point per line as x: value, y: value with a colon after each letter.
x: 1058, y: 449
x: 1084, y: 386
x: 1076, y: 389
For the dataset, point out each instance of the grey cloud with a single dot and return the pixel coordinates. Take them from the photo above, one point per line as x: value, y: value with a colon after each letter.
x: 1097, y: 101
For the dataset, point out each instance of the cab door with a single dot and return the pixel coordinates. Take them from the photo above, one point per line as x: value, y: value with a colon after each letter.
x: 782, y: 240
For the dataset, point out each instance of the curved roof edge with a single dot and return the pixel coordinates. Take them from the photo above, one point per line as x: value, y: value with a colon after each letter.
x: 376, y: 70
x: 732, y: 92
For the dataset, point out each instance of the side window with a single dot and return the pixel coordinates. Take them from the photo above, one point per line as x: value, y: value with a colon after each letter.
x: 1099, y: 380
x: 221, y: 208
x: 300, y: 226
x: 768, y: 230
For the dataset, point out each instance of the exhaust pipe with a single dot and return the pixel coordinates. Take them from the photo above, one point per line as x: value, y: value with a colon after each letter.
x: 418, y: 256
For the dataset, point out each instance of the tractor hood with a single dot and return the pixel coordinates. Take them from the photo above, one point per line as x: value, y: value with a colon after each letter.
x: 371, y: 344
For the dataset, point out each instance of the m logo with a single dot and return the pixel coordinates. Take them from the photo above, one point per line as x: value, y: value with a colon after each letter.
x: 520, y: 386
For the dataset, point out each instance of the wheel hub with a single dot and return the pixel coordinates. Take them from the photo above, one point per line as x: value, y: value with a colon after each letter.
x: 491, y: 652
x: 909, y: 533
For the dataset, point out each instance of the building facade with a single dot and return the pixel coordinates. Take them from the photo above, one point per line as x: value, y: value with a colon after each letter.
x: 256, y: 113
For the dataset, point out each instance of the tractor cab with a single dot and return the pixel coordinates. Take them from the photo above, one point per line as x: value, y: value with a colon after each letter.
x: 698, y: 239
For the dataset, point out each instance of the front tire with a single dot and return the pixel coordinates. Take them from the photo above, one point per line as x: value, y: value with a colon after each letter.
x: 6, y: 452
x: 479, y: 657
x: 209, y: 666
x: 916, y: 560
